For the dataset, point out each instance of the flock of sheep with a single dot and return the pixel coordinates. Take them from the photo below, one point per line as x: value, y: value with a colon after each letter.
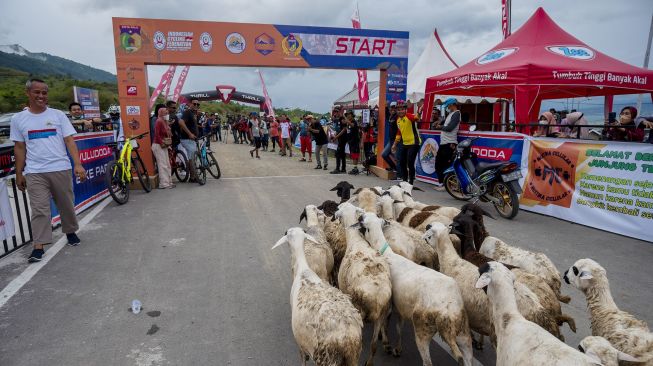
x: 380, y: 252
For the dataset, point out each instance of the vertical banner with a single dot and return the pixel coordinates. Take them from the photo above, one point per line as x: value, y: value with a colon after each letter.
x: 7, y: 229
x: 606, y: 185
x: 396, y: 86
x: 505, y: 18
x: 366, y: 117
x: 180, y: 83
x: 268, y: 101
x: 90, y: 101
x: 363, y: 92
x: 164, y: 83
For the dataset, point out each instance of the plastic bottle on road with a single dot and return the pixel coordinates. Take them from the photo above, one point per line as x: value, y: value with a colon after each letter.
x: 136, y: 306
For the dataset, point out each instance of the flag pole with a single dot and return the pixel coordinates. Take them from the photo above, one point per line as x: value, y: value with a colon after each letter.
x: 646, y: 58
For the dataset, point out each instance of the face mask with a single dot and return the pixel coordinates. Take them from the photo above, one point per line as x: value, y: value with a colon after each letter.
x: 166, y: 117
x: 544, y: 122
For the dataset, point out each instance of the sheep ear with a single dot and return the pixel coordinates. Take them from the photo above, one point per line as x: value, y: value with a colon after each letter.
x: 311, y: 238
x: 385, y: 223
x: 284, y: 239
x: 303, y: 216
x: 585, y: 275
x: 487, y: 214
x: 356, y: 226
x: 626, y: 357
x: 595, y: 358
x: 418, y: 188
x: 334, y: 189
x: 483, y: 280
x: 397, y: 201
x: 408, y: 194
x: 455, y: 230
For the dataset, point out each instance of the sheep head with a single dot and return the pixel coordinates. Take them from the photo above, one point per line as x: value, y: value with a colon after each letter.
x: 309, y: 211
x: 328, y: 207
x: 476, y: 212
x: 491, y: 272
x: 348, y: 213
x: 396, y: 192
x: 601, y: 351
x: 584, y: 274
x: 343, y: 190
x: 408, y: 188
x: 295, y: 238
x: 433, y: 233
x: 369, y: 222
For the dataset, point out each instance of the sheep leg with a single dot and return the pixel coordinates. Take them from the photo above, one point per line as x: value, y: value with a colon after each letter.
x: 451, y: 340
x: 375, y: 338
x: 384, y: 334
x: 566, y: 319
x: 563, y: 298
x: 423, y: 341
x: 400, y: 325
x: 303, y: 357
x: 478, y: 344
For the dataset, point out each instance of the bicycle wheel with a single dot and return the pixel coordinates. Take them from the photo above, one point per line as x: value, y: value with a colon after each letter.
x: 181, y: 166
x: 143, y: 176
x: 200, y: 170
x: 118, y: 189
x: 213, y: 168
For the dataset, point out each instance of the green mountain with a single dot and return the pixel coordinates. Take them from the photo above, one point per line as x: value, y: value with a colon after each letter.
x: 17, y: 58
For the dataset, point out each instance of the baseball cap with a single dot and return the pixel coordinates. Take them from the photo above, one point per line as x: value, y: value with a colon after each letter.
x: 393, y: 104
x: 449, y: 102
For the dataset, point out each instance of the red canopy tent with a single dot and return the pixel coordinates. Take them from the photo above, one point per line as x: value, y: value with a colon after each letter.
x: 539, y: 61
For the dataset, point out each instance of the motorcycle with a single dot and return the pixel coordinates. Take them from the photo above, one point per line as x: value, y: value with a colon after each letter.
x: 468, y: 179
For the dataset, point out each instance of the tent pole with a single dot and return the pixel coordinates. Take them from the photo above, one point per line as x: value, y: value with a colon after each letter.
x: 646, y: 57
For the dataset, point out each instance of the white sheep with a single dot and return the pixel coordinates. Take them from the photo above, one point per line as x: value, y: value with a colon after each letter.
x: 335, y: 234
x: 366, y: 198
x: 429, y: 299
x: 533, y: 262
x: 447, y: 211
x: 519, y: 341
x: 599, y: 349
x: 318, y: 254
x: 365, y: 276
x: 412, y: 218
x: 476, y: 304
x: 326, y: 325
x: 621, y: 329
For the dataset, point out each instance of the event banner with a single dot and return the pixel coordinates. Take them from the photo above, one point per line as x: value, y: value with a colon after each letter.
x: 606, y: 185
x: 6, y: 216
x: 7, y: 160
x: 490, y: 147
x: 90, y: 101
x: 396, y: 86
x: 95, y: 156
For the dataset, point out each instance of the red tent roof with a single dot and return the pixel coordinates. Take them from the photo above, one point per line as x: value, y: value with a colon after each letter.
x: 554, y: 63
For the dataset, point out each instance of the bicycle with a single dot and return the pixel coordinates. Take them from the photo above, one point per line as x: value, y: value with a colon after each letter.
x: 178, y: 164
x: 207, y: 159
x: 119, y: 173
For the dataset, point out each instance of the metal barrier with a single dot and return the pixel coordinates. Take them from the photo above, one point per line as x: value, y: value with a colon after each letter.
x: 20, y: 210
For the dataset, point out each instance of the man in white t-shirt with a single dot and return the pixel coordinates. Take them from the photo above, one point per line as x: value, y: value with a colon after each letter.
x: 41, y: 136
x: 286, y: 142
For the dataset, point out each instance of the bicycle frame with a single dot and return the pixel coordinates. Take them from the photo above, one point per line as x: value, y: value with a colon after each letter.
x: 125, y: 157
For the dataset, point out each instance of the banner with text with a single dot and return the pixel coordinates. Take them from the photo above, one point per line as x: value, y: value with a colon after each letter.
x: 90, y: 101
x: 606, y: 185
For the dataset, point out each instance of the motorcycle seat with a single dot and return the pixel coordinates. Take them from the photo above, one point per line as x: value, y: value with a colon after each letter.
x: 483, y: 166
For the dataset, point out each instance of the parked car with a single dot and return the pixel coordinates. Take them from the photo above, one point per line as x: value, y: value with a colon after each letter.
x: 5, y: 121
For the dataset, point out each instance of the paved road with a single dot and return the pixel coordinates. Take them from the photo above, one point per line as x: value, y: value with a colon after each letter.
x: 214, y: 293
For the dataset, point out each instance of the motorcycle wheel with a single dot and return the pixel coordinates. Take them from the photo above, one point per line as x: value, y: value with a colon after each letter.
x: 452, y: 186
x: 508, y: 205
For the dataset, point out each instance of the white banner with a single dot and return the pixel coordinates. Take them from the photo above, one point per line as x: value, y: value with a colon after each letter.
x: 6, y: 216
x: 603, y: 184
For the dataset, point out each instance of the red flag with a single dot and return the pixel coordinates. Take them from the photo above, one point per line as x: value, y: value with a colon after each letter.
x: 505, y: 18
x: 268, y: 101
x: 180, y: 82
x: 363, y: 93
x: 166, y: 78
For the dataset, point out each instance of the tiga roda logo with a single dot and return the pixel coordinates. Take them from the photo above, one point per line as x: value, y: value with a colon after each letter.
x: 551, y: 176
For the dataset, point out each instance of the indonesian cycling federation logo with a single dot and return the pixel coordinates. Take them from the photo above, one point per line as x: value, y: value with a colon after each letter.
x: 235, y: 43
x: 130, y: 38
x: 291, y: 45
x: 159, y: 40
x: 552, y: 174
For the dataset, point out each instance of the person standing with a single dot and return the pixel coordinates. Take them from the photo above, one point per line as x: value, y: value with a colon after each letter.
x: 173, y: 122
x: 321, y: 142
x: 341, y: 138
x: 408, y: 137
x: 286, y: 142
x: 162, y: 141
x: 305, y: 143
x: 265, y: 135
x: 274, y: 134
x: 189, y: 132
x: 41, y: 136
x: 255, y: 130
x: 448, y: 141
x: 354, y: 140
x: 391, y: 158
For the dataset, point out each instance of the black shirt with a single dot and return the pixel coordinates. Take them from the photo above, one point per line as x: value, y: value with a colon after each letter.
x: 190, y: 119
x: 353, y: 135
x: 342, y: 126
x: 320, y: 137
x: 393, y: 126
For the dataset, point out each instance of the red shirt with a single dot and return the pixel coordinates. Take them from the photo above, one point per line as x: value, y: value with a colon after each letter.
x: 161, y: 131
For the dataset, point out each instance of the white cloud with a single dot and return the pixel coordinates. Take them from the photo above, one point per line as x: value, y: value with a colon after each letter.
x: 81, y: 30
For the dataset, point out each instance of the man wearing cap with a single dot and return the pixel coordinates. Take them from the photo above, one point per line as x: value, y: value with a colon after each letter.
x: 448, y: 141
x: 341, y: 138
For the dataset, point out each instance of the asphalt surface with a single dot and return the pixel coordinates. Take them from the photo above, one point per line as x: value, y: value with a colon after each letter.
x: 213, y: 292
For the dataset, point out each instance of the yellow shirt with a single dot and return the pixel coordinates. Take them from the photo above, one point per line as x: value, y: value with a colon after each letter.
x: 407, y: 132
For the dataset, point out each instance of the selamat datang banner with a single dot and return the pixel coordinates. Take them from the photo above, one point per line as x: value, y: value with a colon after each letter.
x: 603, y: 184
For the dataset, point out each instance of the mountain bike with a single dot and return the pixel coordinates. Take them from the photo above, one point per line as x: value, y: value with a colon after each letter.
x: 208, y: 160
x: 120, y: 172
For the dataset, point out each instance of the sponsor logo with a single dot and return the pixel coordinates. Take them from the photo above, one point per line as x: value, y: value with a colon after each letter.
x: 264, y: 44
x: 291, y: 45
x: 492, y: 153
x: 159, y: 40
x: 134, y: 124
x: 206, y: 42
x: 41, y: 134
x: 225, y: 92
x: 199, y: 95
x: 130, y: 38
x: 235, y: 43
x: 495, y: 55
x: 132, y: 90
x: 133, y: 110
x: 427, y: 155
x: 366, y: 46
x: 552, y: 174
x: 575, y: 52
x: 95, y: 153
x: 250, y: 98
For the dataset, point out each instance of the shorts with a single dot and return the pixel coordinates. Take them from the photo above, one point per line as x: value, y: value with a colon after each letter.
x: 306, y: 144
x: 190, y: 147
x: 354, y: 147
x: 257, y: 142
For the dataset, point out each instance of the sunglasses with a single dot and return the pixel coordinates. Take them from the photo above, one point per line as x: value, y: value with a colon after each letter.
x: 196, y: 104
